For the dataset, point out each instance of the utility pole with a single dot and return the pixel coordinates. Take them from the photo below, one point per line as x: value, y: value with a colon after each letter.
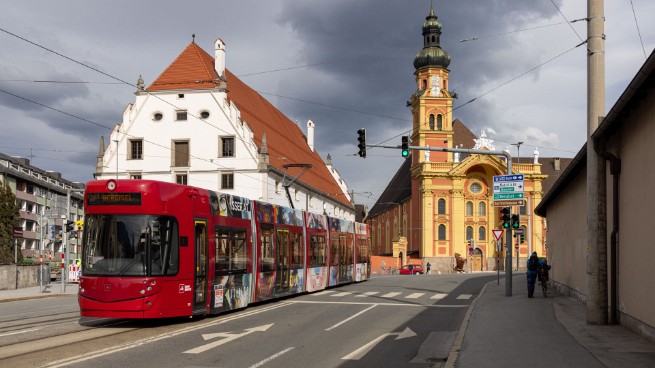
x: 597, y: 303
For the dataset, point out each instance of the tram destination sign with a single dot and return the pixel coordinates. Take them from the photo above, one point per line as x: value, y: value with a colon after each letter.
x: 115, y: 199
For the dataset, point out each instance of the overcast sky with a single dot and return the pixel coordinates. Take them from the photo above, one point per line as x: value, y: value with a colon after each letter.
x: 345, y: 64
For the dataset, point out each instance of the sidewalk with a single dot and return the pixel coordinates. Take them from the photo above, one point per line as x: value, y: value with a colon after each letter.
x: 515, y: 331
x: 48, y: 290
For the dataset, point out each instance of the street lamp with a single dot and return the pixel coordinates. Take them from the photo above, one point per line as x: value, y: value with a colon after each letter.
x: 518, y: 151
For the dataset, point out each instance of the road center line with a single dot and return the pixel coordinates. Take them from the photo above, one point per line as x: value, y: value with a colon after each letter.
x: 351, y: 317
x: 19, y: 332
x: 272, y: 357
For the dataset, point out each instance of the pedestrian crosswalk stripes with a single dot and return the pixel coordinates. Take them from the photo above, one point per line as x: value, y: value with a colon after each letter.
x: 393, y: 294
x: 414, y: 295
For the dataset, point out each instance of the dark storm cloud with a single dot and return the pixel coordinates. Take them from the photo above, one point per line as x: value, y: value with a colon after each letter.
x: 374, y: 43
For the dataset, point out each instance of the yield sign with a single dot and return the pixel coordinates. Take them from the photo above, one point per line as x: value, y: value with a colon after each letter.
x: 498, y: 233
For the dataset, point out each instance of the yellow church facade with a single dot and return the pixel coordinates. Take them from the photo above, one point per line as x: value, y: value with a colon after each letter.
x: 439, y: 206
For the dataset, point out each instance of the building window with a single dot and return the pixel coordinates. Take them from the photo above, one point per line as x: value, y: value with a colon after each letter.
x: 482, y: 234
x: 226, y: 148
x: 475, y: 188
x: 523, y: 210
x: 181, y: 154
x: 431, y: 121
x: 135, y: 176
x: 441, y: 233
x: 204, y: 114
x: 482, y: 209
x: 277, y: 187
x: 181, y: 179
x: 469, y: 208
x: 180, y: 95
x: 469, y: 233
x: 136, y: 149
x: 441, y: 206
x: 227, y: 181
x: 439, y: 122
x: 180, y: 115
x: 157, y: 116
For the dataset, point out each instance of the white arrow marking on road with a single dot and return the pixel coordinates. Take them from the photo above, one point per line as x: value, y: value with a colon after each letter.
x: 227, y: 338
x: 359, y: 353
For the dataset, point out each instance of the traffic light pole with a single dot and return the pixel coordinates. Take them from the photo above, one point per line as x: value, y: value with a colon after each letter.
x: 508, y: 232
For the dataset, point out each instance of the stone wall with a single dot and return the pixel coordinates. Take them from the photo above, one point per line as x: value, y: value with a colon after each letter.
x: 27, y: 276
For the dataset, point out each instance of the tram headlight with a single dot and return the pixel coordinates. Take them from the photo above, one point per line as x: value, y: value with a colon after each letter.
x: 111, y: 185
x: 149, y: 288
x: 142, y: 292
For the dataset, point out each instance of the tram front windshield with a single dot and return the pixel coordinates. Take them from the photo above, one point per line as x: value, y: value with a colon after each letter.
x: 130, y: 245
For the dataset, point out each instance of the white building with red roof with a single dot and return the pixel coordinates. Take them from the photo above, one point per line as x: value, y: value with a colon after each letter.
x: 198, y: 124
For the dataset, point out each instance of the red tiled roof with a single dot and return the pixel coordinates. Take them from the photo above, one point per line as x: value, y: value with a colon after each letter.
x: 286, y: 143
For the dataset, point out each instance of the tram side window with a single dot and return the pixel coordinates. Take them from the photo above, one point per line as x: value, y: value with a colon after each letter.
x: 267, y: 261
x: 362, y: 253
x: 231, y: 250
x: 349, y: 250
x: 335, y: 252
x: 296, y: 251
x: 317, y: 250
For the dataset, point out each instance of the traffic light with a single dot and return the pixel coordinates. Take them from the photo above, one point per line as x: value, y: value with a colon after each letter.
x: 405, y: 146
x: 516, y: 221
x: 361, y: 137
x: 521, y: 238
x: 79, y: 225
x: 505, y: 218
x: 70, y: 226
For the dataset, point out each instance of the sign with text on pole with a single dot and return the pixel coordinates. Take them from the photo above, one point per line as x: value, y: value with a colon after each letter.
x: 508, y: 190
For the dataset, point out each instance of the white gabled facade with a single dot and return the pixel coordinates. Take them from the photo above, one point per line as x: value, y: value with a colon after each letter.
x: 196, y: 136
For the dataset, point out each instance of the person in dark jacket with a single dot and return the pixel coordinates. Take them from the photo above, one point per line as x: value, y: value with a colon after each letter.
x: 533, y: 264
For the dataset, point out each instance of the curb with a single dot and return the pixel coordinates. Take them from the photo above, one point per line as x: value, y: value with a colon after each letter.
x: 39, y: 296
x: 459, y: 339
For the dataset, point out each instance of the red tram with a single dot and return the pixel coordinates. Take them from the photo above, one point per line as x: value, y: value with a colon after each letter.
x: 155, y: 250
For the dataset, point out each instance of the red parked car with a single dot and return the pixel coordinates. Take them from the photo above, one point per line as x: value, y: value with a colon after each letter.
x: 411, y: 269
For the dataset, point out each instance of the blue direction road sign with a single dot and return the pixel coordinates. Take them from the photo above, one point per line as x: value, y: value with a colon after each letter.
x: 504, y: 178
x: 508, y: 187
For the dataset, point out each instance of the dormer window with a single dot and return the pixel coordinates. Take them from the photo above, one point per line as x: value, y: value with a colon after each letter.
x: 181, y: 115
x: 180, y: 95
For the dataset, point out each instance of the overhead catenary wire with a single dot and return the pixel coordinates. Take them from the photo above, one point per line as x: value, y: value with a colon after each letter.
x: 285, y: 97
x: 132, y: 85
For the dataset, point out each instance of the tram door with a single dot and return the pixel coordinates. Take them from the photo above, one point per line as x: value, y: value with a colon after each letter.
x: 283, y: 261
x: 200, y: 263
x: 343, y: 258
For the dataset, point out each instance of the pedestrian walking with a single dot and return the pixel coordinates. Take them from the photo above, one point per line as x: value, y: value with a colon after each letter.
x: 428, y: 268
x: 533, y: 265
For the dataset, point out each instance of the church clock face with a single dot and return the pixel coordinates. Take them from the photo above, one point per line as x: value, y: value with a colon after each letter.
x: 436, y: 86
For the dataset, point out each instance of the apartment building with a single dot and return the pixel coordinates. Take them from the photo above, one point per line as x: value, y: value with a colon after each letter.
x: 43, y: 205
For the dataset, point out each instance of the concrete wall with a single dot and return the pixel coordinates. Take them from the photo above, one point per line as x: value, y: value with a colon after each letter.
x: 636, y: 254
x: 567, y: 238
x: 27, y: 276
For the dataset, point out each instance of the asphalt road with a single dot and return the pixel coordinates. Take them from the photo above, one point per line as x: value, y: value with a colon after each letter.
x: 394, y: 321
